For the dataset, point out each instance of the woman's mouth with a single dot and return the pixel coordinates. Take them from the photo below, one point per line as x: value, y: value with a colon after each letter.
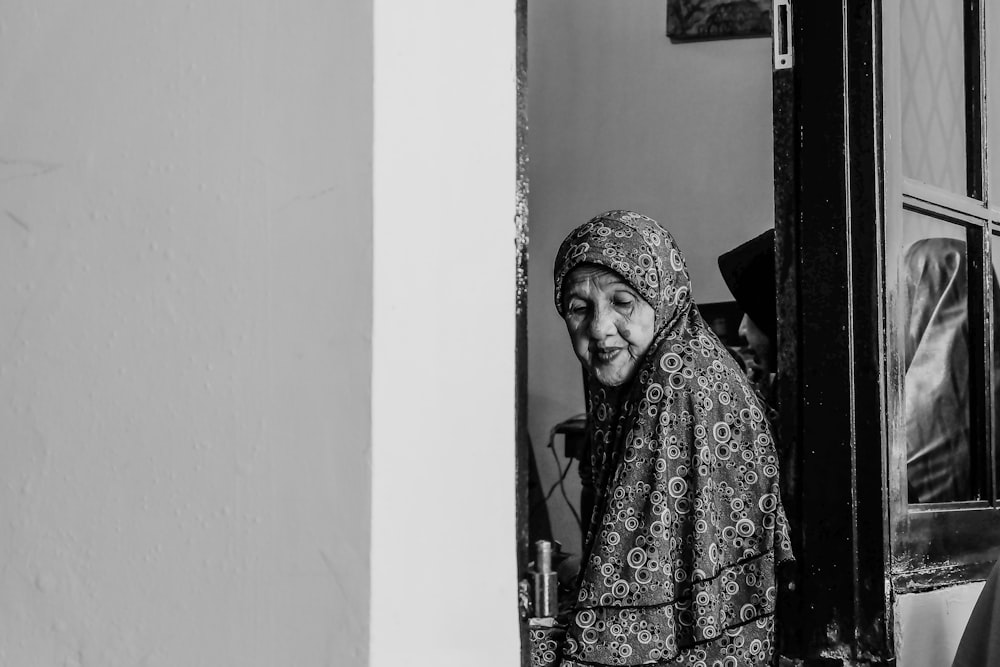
x: 607, y: 355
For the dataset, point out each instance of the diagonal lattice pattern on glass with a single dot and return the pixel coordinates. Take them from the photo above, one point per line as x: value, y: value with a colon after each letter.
x: 932, y: 93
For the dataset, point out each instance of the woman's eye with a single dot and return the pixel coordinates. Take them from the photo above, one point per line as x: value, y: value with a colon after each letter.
x: 623, y: 303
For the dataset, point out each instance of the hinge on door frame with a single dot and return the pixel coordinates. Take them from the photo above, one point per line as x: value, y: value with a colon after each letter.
x: 781, y: 34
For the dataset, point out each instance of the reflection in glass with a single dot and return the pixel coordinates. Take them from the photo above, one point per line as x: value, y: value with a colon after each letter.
x: 936, y: 363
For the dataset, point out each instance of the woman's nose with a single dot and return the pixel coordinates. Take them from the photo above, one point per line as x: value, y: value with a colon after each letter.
x: 742, y: 331
x: 602, y: 324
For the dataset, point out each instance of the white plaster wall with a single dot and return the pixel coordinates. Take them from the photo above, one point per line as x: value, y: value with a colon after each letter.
x: 444, y: 578
x: 929, y: 626
x: 185, y: 316
x: 620, y: 117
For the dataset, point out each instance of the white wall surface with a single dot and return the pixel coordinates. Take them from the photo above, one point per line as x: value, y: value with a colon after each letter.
x: 930, y: 625
x: 444, y: 576
x: 620, y: 117
x: 185, y: 313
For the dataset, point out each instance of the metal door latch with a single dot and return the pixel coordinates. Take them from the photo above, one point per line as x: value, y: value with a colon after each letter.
x: 781, y: 32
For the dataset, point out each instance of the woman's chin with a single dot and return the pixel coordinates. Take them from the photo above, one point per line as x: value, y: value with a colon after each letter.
x: 613, y: 375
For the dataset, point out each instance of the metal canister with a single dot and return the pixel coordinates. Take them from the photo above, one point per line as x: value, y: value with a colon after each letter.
x: 546, y: 581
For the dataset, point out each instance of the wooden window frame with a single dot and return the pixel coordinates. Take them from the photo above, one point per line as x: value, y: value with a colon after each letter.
x: 935, y: 545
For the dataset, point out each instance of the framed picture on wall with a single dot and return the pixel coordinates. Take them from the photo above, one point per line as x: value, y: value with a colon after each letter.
x: 718, y: 19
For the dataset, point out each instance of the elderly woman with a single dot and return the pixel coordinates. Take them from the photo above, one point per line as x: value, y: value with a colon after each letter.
x: 687, y: 526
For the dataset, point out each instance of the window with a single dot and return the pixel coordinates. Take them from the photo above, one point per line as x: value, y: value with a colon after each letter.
x: 941, y: 260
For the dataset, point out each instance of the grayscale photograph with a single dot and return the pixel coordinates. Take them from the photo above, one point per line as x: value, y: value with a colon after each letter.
x: 538, y: 333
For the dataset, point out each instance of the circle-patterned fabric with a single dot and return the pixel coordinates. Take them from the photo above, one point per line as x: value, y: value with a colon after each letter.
x: 688, y: 522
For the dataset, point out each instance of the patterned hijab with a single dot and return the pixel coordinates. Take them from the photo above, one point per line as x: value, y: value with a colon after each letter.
x: 687, y: 524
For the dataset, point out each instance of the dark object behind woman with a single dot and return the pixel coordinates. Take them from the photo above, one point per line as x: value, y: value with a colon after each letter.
x: 687, y: 526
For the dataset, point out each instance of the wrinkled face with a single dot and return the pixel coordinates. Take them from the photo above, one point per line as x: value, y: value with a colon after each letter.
x: 761, y: 344
x: 610, y: 325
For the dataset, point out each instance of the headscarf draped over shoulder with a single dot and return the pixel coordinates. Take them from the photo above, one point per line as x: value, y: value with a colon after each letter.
x: 688, y: 522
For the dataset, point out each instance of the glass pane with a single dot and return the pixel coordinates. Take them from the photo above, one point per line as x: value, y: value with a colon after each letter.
x: 932, y: 92
x: 933, y: 344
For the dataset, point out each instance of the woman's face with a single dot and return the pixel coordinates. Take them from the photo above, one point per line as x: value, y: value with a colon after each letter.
x: 760, y: 343
x: 610, y: 325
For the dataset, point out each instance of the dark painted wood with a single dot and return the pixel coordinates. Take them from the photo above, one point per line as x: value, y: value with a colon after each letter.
x: 979, y: 421
x: 974, y: 75
x: 788, y: 625
x: 873, y: 622
x: 992, y: 329
x: 523, y: 441
x: 828, y: 249
x: 946, y: 538
x: 922, y: 581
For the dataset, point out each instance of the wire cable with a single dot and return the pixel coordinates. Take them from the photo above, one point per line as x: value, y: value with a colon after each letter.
x: 560, y: 482
x: 562, y: 489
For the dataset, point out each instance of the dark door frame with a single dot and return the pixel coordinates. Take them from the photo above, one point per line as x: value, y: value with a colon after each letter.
x: 522, y: 445
x: 834, y: 605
